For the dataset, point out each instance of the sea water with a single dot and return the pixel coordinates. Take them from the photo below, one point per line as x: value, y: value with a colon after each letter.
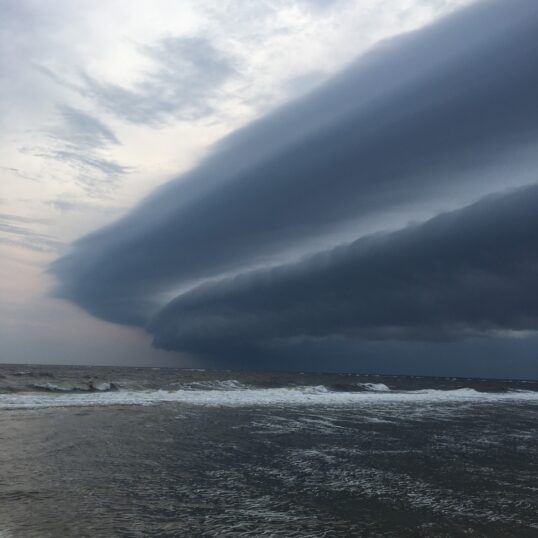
x: 135, y: 452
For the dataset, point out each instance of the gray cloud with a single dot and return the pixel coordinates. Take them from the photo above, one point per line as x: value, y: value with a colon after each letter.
x: 84, y: 162
x: 436, y: 119
x: 95, y: 174
x: 67, y: 204
x: 19, y: 231
x: 189, y: 74
x: 494, y: 356
x: 79, y: 130
x: 421, y: 118
x: 19, y: 173
x: 465, y: 273
x: 9, y: 218
x: 79, y: 141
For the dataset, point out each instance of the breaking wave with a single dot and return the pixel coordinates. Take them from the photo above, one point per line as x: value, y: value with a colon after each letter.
x: 87, y: 387
x: 235, y: 394
x: 375, y: 387
x: 224, y: 384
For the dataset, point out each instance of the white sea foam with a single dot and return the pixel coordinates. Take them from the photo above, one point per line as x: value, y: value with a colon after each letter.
x: 308, y: 396
x: 375, y: 387
x: 84, y: 387
x: 218, y: 384
x: 52, y: 387
x: 104, y: 386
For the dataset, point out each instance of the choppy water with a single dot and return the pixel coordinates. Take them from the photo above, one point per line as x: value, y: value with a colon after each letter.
x: 132, y: 452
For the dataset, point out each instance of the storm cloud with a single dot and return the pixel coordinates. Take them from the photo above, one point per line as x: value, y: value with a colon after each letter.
x: 466, y: 273
x: 423, y: 123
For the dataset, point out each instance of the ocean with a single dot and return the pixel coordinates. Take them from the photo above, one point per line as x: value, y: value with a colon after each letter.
x: 160, y: 452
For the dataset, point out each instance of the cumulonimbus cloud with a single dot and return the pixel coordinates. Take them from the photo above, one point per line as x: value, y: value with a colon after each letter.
x: 437, y: 117
x: 464, y: 273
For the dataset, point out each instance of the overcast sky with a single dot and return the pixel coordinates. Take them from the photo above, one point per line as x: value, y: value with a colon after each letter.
x: 308, y: 184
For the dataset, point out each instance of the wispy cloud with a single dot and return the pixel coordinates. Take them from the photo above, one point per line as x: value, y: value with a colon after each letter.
x: 187, y: 75
x: 80, y: 141
x: 20, y: 231
x: 65, y: 203
x: 80, y: 130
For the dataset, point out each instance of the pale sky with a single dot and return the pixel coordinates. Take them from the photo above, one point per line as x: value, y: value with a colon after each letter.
x: 103, y: 101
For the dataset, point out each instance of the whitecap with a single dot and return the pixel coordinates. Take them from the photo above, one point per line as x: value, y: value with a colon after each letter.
x: 375, y: 387
x: 298, y: 396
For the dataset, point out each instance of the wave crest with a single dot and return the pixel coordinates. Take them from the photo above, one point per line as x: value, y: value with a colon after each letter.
x: 244, y: 397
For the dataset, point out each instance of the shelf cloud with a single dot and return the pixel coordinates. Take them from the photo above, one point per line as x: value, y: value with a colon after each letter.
x: 462, y: 274
x: 427, y: 122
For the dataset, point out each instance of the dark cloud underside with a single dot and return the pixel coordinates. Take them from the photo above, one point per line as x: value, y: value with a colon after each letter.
x: 469, y: 272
